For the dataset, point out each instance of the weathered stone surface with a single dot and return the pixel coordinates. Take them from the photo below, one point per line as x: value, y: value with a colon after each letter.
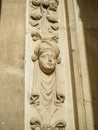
x: 12, y: 33
x: 11, y: 99
x: 12, y: 38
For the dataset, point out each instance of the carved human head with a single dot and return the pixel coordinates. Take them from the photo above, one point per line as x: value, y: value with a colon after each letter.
x: 47, y: 53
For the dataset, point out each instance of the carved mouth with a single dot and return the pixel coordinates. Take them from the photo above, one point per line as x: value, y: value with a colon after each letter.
x: 50, y: 64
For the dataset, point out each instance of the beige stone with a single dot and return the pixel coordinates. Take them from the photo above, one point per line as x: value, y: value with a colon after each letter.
x: 12, y: 27
x: 73, y: 25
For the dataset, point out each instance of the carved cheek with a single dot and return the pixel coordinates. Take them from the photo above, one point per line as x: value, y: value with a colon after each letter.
x: 42, y: 62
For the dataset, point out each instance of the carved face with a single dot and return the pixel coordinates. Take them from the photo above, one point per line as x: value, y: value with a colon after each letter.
x: 47, y: 62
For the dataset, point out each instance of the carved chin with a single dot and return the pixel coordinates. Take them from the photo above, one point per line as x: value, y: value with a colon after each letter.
x: 47, y: 70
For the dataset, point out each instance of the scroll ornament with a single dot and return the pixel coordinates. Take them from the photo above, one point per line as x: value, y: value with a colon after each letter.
x: 35, y: 124
x: 36, y: 13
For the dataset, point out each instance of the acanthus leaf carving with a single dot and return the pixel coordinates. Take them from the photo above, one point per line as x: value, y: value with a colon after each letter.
x: 52, y: 16
x: 55, y: 38
x: 36, y: 36
x: 34, y: 23
x: 47, y: 8
x: 55, y: 26
x: 35, y: 2
x: 53, y: 5
x: 36, y: 14
x: 45, y: 3
x: 49, y: 37
x: 35, y: 124
x: 60, y: 126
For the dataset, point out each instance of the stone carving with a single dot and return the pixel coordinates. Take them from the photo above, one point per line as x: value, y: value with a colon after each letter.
x: 47, y: 56
x: 36, y: 36
x: 44, y: 10
x: 60, y: 126
x: 36, y: 14
x: 36, y: 2
x: 53, y: 5
x: 52, y: 16
x: 45, y: 98
x: 36, y: 125
x: 34, y: 99
x: 44, y: 36
x: 55, y: 26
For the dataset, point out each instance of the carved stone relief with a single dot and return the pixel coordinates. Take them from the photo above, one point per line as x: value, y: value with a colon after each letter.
x: 36, y: 125
x: 44, y: 11
x: 45, y: 97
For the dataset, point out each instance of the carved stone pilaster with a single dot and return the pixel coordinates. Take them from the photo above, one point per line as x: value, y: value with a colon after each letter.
x: 48, y: 78
x: 45, y: 96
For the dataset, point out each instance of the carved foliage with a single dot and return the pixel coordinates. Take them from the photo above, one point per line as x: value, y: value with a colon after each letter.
x: 60, y: 98
x: 36, y: 125
x: 60, y: 126
x: 44, y: 36
x: 38, y: 8
x: 45, y: 97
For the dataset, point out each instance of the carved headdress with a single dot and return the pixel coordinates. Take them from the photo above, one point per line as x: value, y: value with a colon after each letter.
x: 44, y: 46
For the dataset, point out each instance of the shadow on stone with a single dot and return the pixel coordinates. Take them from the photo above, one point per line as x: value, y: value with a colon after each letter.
x: 0, y: 7
x: 89, y: 17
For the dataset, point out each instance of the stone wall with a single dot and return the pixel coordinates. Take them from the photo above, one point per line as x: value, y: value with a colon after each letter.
x: 12, y: 39
x: 89, y: 17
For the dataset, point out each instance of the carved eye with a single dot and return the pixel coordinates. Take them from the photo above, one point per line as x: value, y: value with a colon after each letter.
x: 44, y: 56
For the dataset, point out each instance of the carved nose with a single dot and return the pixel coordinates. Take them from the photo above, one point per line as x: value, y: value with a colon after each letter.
x: 50, y: 58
